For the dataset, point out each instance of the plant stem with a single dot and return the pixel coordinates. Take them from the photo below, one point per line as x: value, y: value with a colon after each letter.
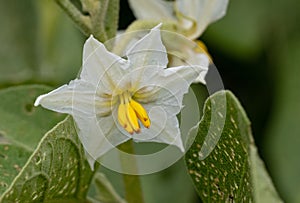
x: 98, y: 21
x: 83, y: 22
x: 133, y: 188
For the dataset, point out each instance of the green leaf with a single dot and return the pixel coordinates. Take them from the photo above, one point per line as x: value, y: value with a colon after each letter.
x: 57, y: 171
x: 12, y: 159
x: 264, y: 190
x: 233, y: 171
x: 20, y: 122
x: 21, y: 128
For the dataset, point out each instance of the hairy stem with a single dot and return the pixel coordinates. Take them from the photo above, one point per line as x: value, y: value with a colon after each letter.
x: 82, y: 21
x: 99, y: 25
x: 133, y: 188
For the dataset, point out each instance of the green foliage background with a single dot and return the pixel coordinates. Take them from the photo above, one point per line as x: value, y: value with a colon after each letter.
x: 256, y: 48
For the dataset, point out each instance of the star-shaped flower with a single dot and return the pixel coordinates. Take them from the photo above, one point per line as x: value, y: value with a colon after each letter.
x: 117, y: 99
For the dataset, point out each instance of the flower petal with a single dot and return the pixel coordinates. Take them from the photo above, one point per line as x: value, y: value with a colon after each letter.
x: 164, y: 102
x: 202, y: 60
x: 166, y: 88
x: 203, y: 12
x: 164, y: 129
x: 194, y: 58
x: 98, y: 136
x: 188, y: 53
x: 100, y: 66
x: 76, y: 98
x: 152, y: 9
x: 148, y: 51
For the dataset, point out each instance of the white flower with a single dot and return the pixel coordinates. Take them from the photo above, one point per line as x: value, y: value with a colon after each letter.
x: 118, y: 99
x: 193, y: 16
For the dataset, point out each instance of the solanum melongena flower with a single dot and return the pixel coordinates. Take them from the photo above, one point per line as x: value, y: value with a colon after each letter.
x: 116, y: 99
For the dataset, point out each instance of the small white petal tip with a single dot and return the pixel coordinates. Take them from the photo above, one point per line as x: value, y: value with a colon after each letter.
x: 91, y: 37
x: 157, y: 27
x: 181, y: 147
x: 38, y: 100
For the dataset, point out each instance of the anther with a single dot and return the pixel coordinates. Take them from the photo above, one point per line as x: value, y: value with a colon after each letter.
x: 129, y: 114
x: 141, y: 113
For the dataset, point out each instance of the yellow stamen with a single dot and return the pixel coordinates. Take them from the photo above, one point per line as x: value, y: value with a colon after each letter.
x: 140, y: 112
x: 129, y: 112
x: 132, y: 118
x: 122, y: 115
x: 129, y: 129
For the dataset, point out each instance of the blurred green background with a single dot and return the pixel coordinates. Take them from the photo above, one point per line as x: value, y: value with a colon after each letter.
x: 256, y: 48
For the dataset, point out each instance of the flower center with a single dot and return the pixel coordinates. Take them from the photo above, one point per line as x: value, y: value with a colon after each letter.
x: 130, y: 112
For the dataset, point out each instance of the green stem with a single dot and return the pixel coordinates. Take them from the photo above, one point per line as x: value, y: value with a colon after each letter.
x: 133, y: 188
x: 99, y: 21
x: 97, y: 11
x: 82, y: 21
